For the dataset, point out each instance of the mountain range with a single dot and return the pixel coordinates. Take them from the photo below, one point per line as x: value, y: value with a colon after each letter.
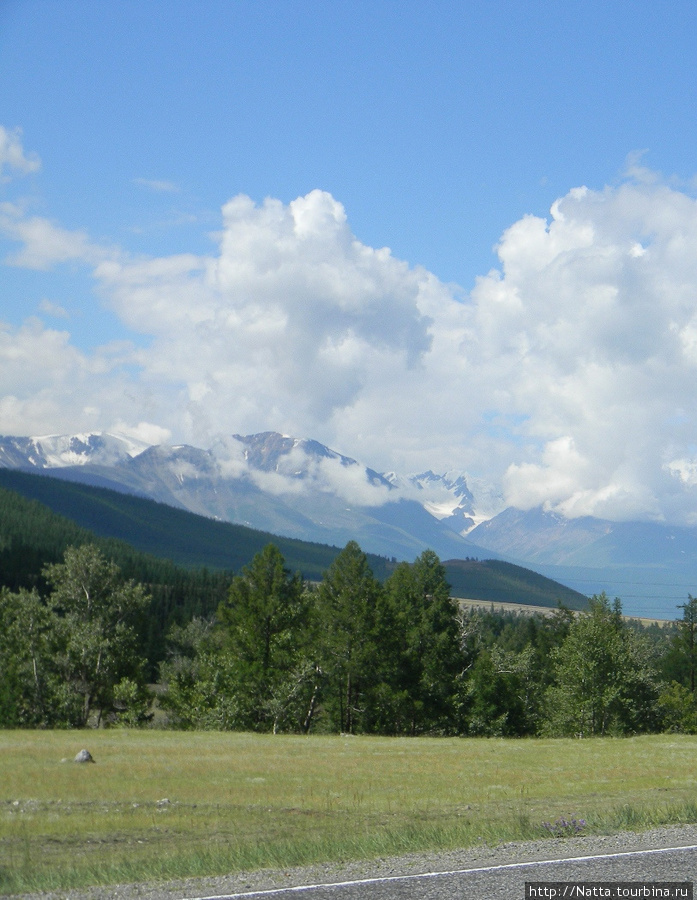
x: 302, y: 489
x: 272, y: 482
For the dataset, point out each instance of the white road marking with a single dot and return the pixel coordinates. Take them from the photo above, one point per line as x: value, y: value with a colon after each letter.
x: 385, y: 879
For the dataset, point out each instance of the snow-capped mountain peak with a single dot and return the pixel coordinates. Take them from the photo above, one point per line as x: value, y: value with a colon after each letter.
x: 292, y: 486
x: 448, y: 497
x: 53, y: 451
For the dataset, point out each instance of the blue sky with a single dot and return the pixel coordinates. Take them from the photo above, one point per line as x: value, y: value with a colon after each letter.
x: 441, y: 131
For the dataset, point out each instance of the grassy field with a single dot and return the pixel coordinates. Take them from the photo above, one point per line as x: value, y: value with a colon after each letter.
x: 167, y: 804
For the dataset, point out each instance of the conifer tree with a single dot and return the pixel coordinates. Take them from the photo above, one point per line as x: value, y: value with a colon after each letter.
x: 264, y: 619
x: 347, y: 601
x: 687, y: 639
x: 426, y: 628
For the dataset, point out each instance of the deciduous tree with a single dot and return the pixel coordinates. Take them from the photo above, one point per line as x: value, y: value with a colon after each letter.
x: 27, y: 646
x: 96, y: 640
x: 605, y: 680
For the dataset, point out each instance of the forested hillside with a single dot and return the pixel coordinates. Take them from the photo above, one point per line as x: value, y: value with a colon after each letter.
x: 195, y: 541
x: 498, y: 582
x: 184, y: 538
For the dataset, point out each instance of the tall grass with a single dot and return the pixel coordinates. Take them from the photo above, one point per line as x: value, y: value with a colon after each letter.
x: 240, y: 801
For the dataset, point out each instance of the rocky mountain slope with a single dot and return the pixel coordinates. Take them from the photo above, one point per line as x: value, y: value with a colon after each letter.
x: 272, y: 482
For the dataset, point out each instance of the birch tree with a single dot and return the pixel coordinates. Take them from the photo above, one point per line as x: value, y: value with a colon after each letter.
x: 96, y: 639
x: 27, y: 645
x: 605, y: 679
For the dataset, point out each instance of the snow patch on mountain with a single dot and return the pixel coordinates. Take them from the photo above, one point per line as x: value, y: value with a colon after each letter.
x: 449, y: 499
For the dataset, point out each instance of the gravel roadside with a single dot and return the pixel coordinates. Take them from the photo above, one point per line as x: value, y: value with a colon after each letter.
x: 267, y: 879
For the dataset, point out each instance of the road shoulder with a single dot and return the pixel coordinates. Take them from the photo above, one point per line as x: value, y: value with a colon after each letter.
x: 413, y: 864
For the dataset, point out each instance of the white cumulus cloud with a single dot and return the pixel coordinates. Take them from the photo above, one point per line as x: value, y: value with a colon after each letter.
x: 567, y: 374
x: 285, y: 325
x: 596, y: 345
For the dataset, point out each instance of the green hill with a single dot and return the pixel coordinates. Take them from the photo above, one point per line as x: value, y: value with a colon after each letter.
x: 185, y: 538
x: 171, y: 543
x: 502, y: 582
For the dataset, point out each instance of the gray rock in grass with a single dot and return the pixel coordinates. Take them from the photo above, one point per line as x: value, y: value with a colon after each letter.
x: 84, y: 756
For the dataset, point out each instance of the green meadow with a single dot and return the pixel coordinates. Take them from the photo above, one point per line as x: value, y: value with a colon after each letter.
x: 160, y: 805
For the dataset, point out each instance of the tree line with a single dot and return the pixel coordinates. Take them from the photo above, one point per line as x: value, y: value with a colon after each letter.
x: 348, y: 654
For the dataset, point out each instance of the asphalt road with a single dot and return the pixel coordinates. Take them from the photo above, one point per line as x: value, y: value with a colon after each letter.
x: 503, y: 882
